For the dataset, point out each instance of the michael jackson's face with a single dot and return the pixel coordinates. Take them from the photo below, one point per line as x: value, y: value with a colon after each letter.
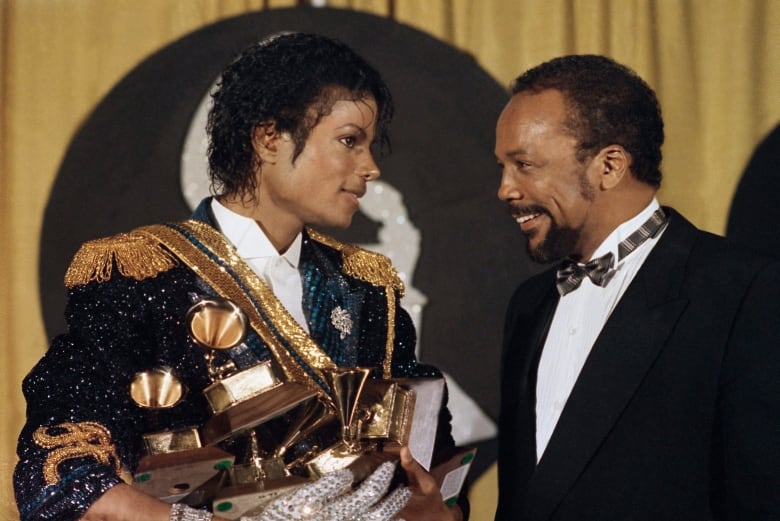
x: 325, y: 182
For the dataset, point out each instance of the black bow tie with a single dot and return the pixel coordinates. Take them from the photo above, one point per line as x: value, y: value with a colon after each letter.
x: 571, y: 274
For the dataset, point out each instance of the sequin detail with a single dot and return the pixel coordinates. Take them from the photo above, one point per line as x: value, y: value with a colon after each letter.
x: 375, y: 269
x: 363, y: 264
x: 75, y: 440
x: 135, y: 256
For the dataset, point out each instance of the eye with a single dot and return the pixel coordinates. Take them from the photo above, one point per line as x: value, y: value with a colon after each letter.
x: 349, y: 141
x: 521, y: 164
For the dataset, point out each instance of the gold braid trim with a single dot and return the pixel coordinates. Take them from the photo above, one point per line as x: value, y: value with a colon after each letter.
x: 135, y: 255
x: 365, y: 265
x: 78, y: 440
x: 222, y: 282
x: 375, y: 269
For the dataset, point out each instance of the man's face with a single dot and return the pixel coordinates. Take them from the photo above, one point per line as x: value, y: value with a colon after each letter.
x: 323, y: 185
x: 550, y: 193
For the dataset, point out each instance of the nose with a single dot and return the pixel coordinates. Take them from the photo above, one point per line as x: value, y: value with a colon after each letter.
x: 508, y: 188
x: 368, y: 169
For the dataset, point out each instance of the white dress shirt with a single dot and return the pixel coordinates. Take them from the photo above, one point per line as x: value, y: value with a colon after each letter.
x: 578, y: 320
x: 280, y: 272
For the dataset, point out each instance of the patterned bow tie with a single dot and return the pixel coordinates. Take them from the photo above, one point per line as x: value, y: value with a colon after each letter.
x: 599, y: 270
x: 571, y: 274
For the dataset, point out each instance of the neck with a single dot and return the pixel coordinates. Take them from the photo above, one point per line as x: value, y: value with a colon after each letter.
x: 280, y: 229
x: 612, y: 214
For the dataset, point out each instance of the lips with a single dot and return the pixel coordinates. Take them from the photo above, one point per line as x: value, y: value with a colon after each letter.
x: 355, y: 194
x: 526, y: 217
x: 521, y: 219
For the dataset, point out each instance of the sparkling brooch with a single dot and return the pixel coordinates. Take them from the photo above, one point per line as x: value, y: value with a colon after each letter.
x: 341, y: 320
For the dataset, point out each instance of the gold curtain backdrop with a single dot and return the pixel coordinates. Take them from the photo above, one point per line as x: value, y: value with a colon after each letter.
x: 714, y: 64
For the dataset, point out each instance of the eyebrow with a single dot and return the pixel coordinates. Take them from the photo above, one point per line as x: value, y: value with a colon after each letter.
x: 517, y: 152
x: 355, y: 127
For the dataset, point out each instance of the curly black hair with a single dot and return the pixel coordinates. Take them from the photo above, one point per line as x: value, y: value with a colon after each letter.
x: 292, y: 80
x: 608, y: 104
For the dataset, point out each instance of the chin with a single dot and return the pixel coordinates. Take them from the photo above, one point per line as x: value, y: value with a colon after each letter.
x: 341, y: 222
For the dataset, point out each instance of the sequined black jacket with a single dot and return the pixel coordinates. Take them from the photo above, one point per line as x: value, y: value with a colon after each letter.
x: 83, y: 430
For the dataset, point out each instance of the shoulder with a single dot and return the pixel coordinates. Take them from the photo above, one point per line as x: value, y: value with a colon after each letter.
x: 536, y: 285
x: 134, y: 254
x: 709, y: 250
x: 705, y: 264
x: 360, y: 263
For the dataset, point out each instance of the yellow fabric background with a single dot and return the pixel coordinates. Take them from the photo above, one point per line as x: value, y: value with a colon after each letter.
x: 714, y: 64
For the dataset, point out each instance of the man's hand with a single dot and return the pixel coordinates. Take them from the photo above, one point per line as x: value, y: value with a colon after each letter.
x: 426, y: 503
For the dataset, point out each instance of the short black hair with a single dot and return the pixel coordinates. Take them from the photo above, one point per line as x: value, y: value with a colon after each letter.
x: 608, y: 104
x: 293, y: 80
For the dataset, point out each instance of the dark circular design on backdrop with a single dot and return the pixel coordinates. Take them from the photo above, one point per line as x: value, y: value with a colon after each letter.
x: 122, y: 170
x: 754, y: 211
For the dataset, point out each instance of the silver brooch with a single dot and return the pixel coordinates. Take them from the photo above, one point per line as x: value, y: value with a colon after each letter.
x: 341, y: 320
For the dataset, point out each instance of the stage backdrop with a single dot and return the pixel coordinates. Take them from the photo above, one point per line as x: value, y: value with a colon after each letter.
x: 713, y: 64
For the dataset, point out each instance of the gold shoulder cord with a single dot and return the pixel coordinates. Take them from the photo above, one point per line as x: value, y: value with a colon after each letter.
x: 77, y: 440
x: 227, y: 287
x: 375, y: 269
x: 135, y: 256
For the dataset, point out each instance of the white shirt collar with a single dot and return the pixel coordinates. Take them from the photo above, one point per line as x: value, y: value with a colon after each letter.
x: 624, y: 230
x: 248, y: 238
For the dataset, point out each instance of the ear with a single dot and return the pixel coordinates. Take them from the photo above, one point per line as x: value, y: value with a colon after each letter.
x: 613, y: 164
x: 264, y: 141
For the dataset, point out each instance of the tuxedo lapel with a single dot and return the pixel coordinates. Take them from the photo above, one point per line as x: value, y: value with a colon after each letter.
x: 528, y: 321
x: 625, y: 350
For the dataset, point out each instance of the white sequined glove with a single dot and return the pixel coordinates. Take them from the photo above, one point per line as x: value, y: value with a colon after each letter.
x: 331, y: 498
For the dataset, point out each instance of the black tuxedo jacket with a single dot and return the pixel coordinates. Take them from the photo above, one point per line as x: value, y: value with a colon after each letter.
x: 676, y: 413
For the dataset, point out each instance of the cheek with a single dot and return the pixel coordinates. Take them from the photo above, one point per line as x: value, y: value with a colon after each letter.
x: 326, y: 168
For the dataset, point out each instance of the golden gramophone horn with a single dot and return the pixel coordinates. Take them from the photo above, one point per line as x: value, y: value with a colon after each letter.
x: 217, y: 323
x: 346, y: 385
x: 157, y: 388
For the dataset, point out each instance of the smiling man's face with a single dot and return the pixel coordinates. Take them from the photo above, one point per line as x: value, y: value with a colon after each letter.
x: 549, y: 191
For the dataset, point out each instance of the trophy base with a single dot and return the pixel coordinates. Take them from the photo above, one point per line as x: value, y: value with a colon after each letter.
x: 173, y: 476
x: 250, y: 499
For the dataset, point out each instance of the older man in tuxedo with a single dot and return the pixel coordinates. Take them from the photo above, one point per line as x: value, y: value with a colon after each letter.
x: 640, y: 376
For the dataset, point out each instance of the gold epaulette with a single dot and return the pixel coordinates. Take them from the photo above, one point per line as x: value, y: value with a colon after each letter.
x: 362, y: 264
x: 136, y: 256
